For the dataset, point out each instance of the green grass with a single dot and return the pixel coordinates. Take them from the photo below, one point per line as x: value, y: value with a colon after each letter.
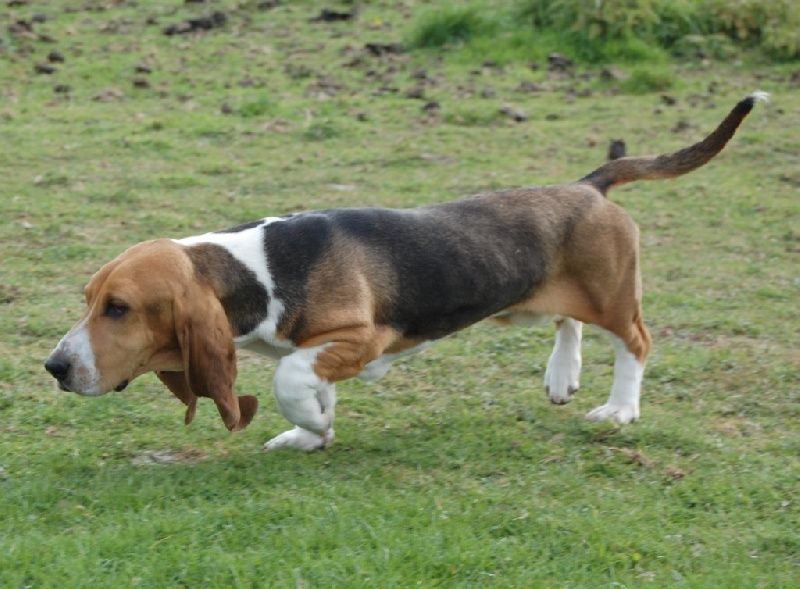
x: 452, y: 25
x: 257, y: 108
x: 613, y: 30
x: 481, y: 32
x: 649, y: 79
x: 453, y: 471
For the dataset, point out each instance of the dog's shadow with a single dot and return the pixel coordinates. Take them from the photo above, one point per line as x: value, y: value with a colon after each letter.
x: 409, y: 453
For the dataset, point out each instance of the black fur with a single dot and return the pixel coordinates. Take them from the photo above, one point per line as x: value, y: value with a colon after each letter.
x: 448, y: 265
x: 243, y: 297
x: 293, y: 247
x: 453, y: 265
x: 744, y: 106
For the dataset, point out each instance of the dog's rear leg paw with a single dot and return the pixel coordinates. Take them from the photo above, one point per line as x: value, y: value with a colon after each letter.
x: 620, y: 414
x: 300, y: 439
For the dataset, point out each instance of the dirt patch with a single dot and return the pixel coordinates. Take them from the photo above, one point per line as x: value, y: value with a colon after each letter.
x: 381, y: 49
x: 515, y: 114
x: 168, y: 457
x: 109, y: 95
x: 328, y: 15
x: 634, y: 456
x: 44, y: 68
x: 202, y: 23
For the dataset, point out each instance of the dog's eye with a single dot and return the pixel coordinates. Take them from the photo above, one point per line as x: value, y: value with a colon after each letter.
x: 115, y: 309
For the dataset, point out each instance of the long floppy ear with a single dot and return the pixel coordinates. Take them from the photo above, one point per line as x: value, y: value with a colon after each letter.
x: 176, y: 382
x: 209, y: 358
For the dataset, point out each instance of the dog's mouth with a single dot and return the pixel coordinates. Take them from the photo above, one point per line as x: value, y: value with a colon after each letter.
x: 63, y: 387
x: 121, y: 386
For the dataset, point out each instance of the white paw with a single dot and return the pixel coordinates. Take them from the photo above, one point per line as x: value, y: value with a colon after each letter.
x: 617, y: 413
x: 561, y: 381
x: 300, y: 439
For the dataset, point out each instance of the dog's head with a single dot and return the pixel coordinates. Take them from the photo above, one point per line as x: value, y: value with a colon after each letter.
x: 148, y: 310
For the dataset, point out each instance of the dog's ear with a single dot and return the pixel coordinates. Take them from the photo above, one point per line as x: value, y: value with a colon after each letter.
x: 176, y: 382
x: 209, y: 358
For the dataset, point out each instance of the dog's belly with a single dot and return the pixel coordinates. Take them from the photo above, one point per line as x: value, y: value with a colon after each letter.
x: 259, y: 346
x: 525, y: 319
x: 380, y: 366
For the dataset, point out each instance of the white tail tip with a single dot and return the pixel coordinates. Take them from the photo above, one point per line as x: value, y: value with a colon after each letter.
x: 760, y: 96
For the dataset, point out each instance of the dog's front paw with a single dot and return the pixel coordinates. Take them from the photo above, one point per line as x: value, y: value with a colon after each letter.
x: 618, y: 413
x: 300, y: 439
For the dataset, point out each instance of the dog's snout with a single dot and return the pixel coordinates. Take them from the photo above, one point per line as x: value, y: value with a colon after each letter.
x: 58, y: 367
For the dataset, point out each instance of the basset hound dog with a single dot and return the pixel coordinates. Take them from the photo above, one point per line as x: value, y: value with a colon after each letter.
x: 338, y: 293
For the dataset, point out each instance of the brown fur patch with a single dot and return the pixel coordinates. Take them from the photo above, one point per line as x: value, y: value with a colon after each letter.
x: 174, y: 322
x: 597, y: 278
x: 144, y: 278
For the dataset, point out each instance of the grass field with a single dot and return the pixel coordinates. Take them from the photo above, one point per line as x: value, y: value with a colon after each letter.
x: 454, y: 470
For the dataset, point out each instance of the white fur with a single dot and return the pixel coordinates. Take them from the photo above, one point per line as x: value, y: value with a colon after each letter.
x: 378, y: 368
x: 562, y: 377
x: 760, y: 96
x: 623, y: 403
x: 304, y: 399
x: 300, y: 439
x: 76, y: 347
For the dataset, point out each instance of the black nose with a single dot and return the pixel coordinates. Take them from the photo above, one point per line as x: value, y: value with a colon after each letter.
x: 58, y: 367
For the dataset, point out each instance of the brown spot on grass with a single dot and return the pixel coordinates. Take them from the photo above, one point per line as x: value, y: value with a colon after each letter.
x: 634, y: 456
x: 188, y: 456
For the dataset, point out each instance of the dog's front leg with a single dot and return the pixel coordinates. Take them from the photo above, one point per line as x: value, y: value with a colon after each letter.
x: 562, y: 377
x: 306, y: 400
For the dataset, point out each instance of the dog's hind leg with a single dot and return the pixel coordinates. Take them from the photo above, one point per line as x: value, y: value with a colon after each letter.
x: 631, y: 349
x: 622, y: 318
x: 378, y: 368
x: 610, y: 279
x: 562, y: 377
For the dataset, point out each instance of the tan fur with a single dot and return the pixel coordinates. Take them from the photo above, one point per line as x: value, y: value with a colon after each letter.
x: 175, y: 326
x: 139, y: 278
x: 346, y: 319
x: 596, y: 277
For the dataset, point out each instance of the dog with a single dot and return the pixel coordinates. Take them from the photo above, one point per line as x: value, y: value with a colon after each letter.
x: 342, y: 293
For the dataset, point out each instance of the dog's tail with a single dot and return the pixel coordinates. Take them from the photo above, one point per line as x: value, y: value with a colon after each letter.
x: 630, y: 169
